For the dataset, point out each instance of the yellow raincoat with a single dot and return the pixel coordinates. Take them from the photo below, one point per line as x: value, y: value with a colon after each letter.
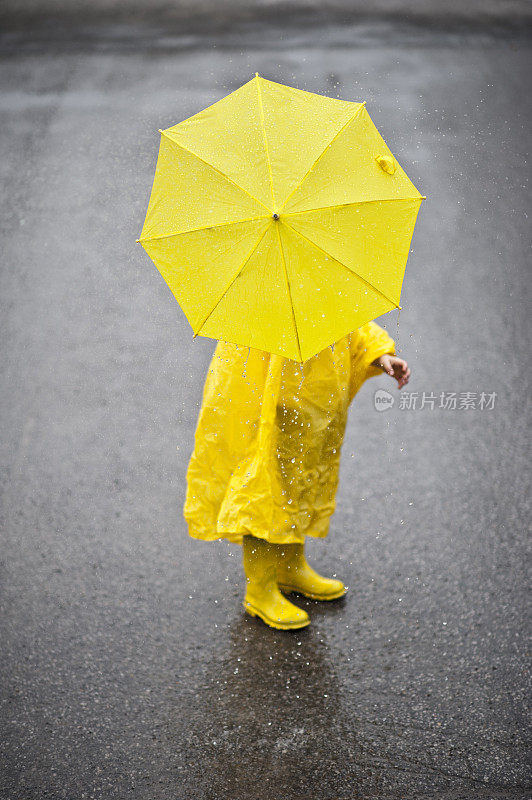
x: 267, y: 444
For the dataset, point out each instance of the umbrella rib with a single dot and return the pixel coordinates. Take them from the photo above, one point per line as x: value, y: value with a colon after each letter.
x: 202, y: 228
x: 231, y: 281
x: 353, y: 203
x: 219, y: 171
x: 352, y: 271
x: 261, y: 109
x: 336, y: 135
x: 289, y: 293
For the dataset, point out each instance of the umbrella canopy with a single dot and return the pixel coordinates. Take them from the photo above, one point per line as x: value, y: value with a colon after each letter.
x: 280, y: 219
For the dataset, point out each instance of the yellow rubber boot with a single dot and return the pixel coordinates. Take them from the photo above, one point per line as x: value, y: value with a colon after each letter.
x: 294, y: 574
x: 263, y: 598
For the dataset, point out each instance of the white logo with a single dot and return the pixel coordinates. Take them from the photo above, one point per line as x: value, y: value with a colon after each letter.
x: 383, y: 400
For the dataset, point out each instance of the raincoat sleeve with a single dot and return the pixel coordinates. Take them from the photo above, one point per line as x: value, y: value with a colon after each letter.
x: 227, y: 429
x: 365, y: 345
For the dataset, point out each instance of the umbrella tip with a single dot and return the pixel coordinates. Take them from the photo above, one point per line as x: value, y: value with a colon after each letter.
x: 423, y: 196
x: 256, y: 74
x: 137, y: 240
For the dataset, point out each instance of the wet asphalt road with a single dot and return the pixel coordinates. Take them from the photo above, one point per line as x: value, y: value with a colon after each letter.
x: 128, y: 667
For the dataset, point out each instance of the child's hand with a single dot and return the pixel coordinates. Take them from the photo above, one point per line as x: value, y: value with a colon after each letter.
x: 394, y: 366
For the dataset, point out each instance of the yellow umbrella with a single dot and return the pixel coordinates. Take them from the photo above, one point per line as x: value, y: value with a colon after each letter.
x: 280, y: 219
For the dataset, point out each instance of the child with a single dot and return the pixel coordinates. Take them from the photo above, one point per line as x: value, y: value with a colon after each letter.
x: 265, y: 465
